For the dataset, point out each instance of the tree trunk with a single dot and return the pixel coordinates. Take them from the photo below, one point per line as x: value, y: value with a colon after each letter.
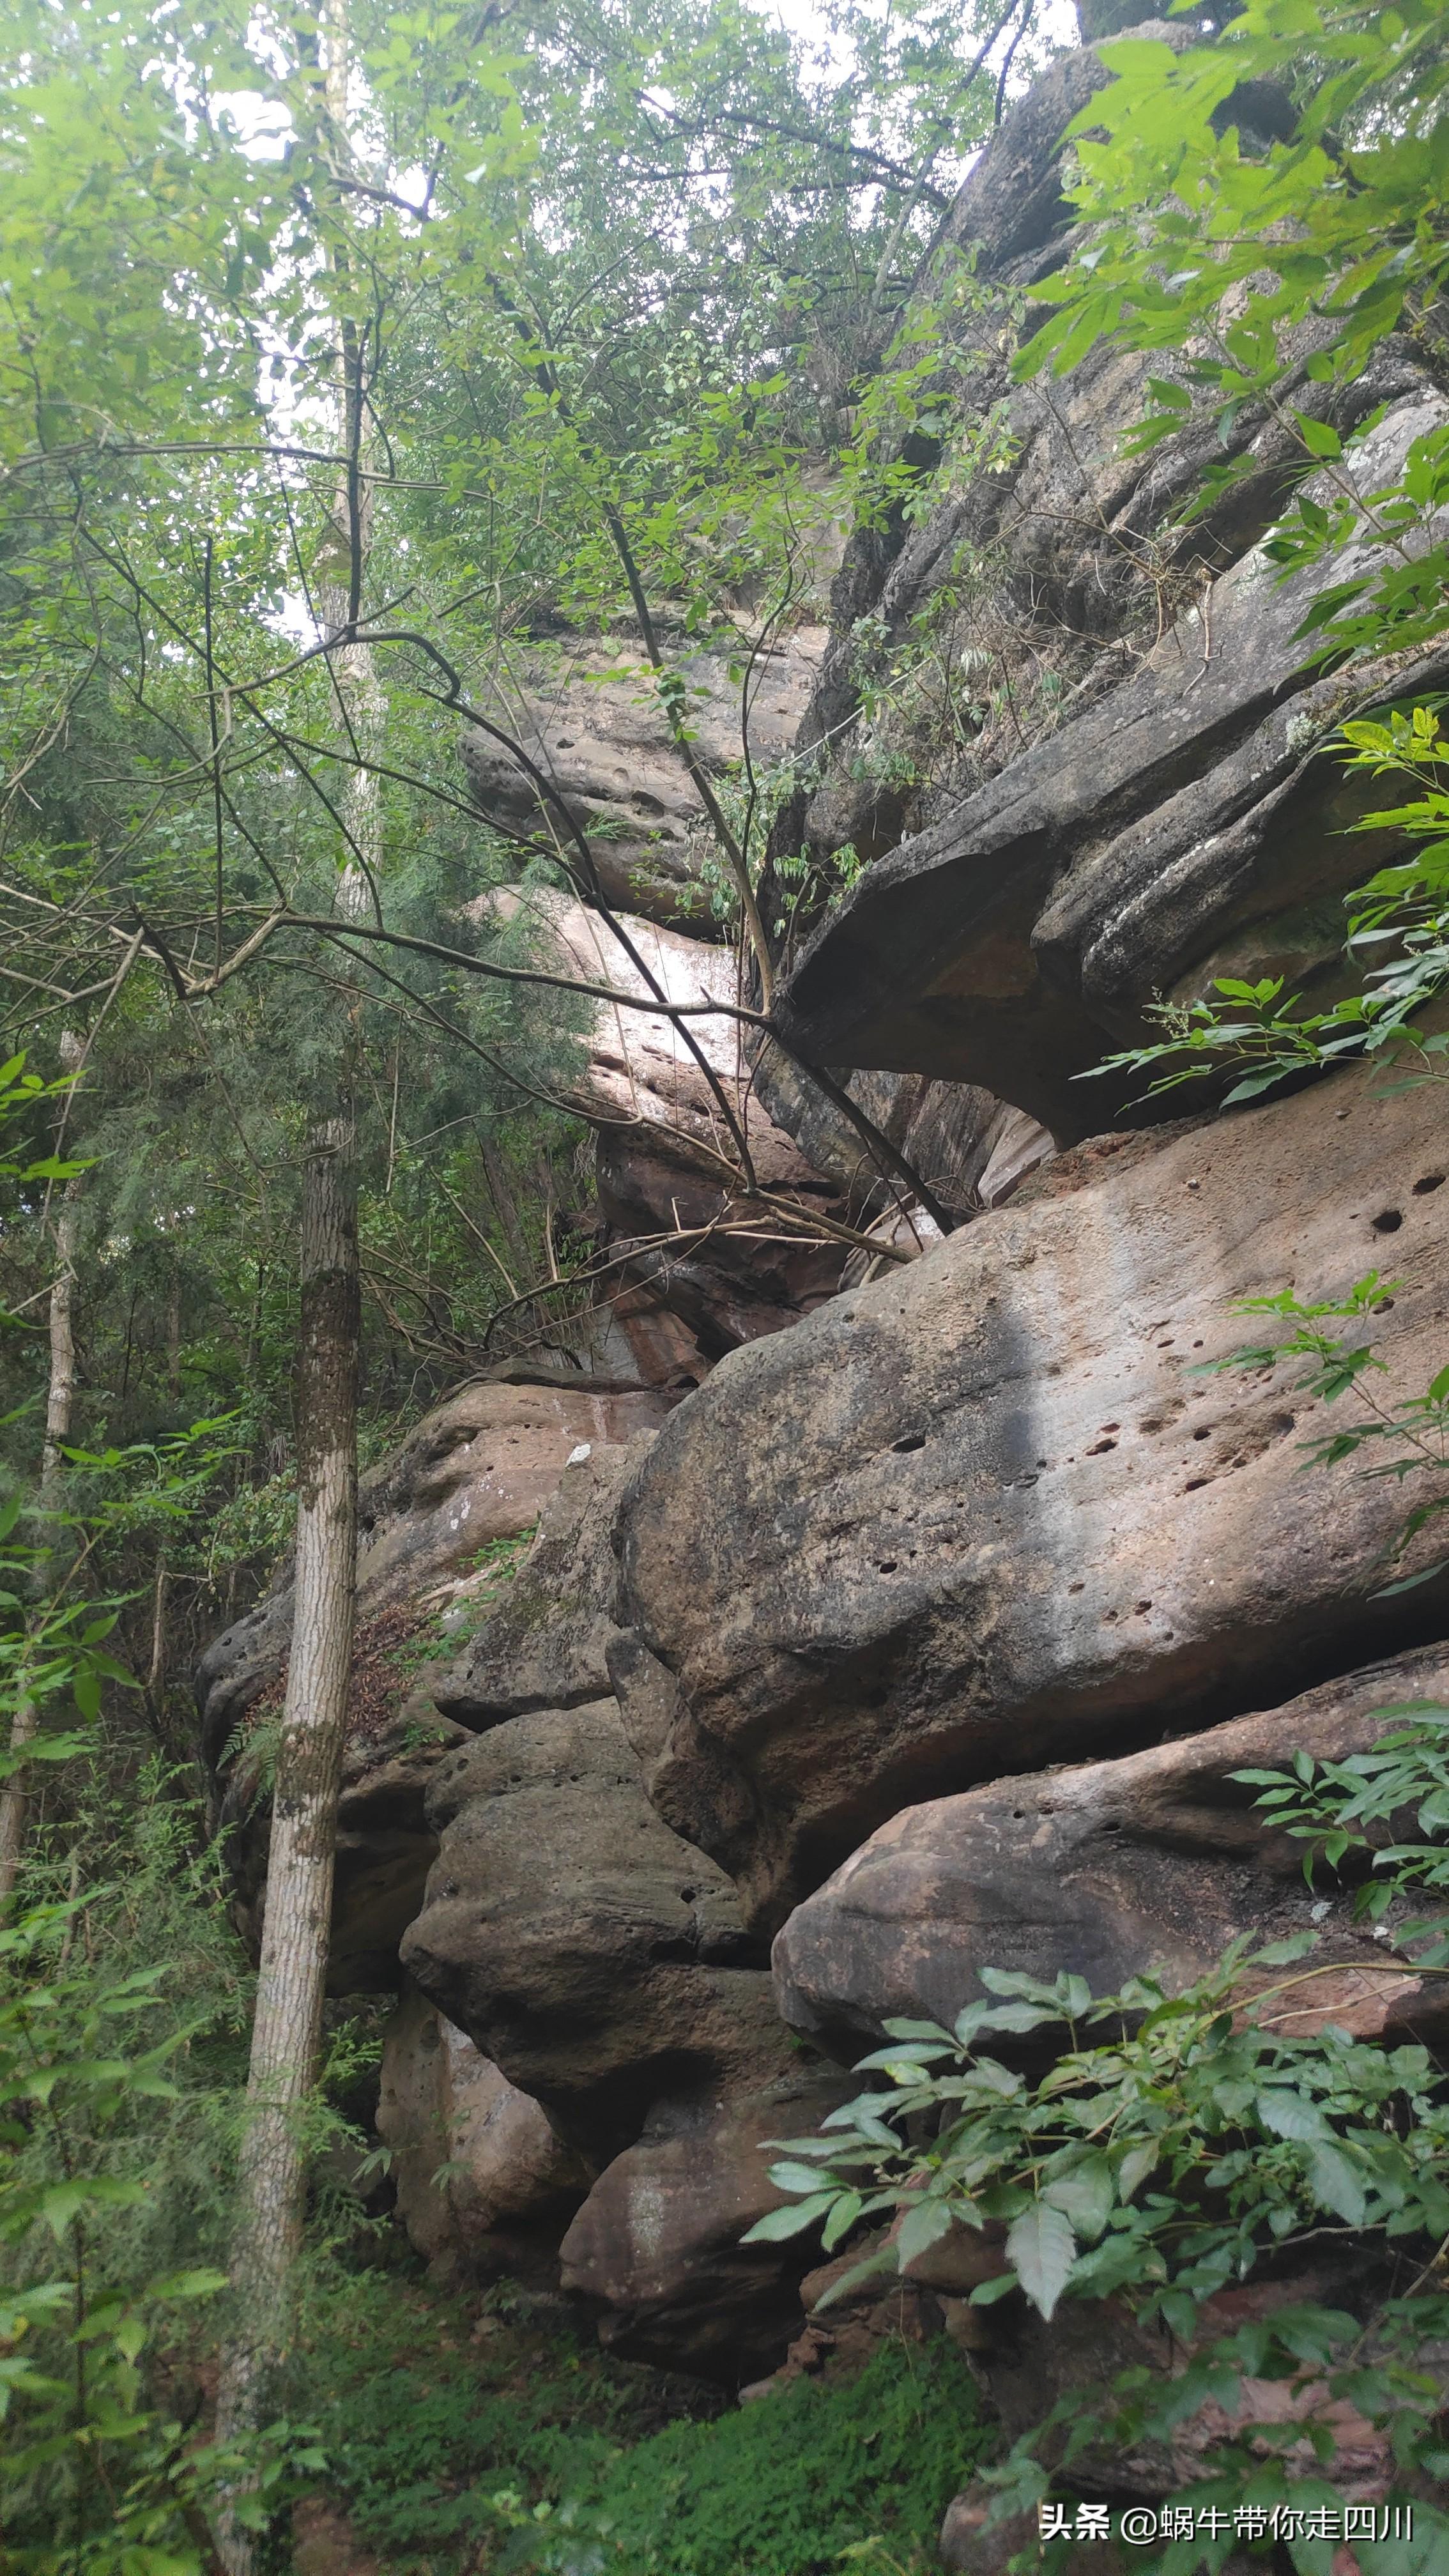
x: 59, y: 1405
x: 286, y: 2034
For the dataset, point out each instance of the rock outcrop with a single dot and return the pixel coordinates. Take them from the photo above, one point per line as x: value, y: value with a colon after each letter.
x: 594, y: 1955
x: 476, y: 1471
x: 598, y: 1958
x: 990, y: 1512
x: 694, y: 1256
x: 1184, y: 826
x: 1156, y: 1861
x: 479, y: 2173
x: 588, y: 717
x: 656, y: 2247
x: 925, y: 1606
x: 1113, y: 787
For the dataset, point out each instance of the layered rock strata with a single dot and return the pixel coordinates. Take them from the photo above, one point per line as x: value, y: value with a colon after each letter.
x: 475, y: 1473
x: 934, y: 1620
x: 1159, y: 1859
x: 990, y: 1512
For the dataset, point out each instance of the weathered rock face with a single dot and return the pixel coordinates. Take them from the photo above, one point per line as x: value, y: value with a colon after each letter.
x: 1182, y: 827
x: 692, y: 1267
x: 588, y: 716
x: 546, y: 1643
x: 477, y: 1470
x: 480, y: 1468
x: 973, y: 1531
x: 1109, y: 1869
x: 511, y: 2181
x: 600, y: 1960
x: 986, y: 1513
x: 657, y: 2242
x: 1109, y: 789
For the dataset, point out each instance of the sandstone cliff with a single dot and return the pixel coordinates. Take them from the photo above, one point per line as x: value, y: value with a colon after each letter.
x: 915, y: 1620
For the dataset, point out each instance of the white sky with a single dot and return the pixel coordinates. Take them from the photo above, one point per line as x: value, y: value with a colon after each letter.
x: 266, y: 137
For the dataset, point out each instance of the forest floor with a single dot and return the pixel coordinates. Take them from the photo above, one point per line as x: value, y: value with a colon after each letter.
x: 480, y: 2431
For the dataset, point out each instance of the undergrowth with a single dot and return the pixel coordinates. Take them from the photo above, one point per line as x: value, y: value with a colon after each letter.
x: 789, y: 2486
x: 527, y: 2448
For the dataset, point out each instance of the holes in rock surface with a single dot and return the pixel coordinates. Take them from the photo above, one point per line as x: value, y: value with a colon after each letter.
x: 1111, y: 1426
x: 1388, y: 1221
x: 1203, y: 1432
x: 1193, y: 1483
x: 1430, y: 1181
x: 912, y: 1440
x: 1098, y: 1446
x: 687, y: 1895
x: 1142, y: 1608
x: 1076, y: 1587
x: 887, y: 1565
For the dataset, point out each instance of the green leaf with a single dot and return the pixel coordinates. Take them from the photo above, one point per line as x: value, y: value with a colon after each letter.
x: 986, y: 2293
x: 1336, y: 2184
x: 788, y: 2177
x: 924, y: 2224
x: 1288, y: 2115
x: 1085, y: 2195
x: 841, y: 2220
x: 1043, y: 2249
x: 1135, y: 2167
x: 777, y: 2224
x: 1318, y: 437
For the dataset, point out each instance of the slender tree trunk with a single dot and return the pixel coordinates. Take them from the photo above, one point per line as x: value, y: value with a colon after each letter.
x: 59, y: 1406
x: 286, y: 2034
x: 287, y: 2031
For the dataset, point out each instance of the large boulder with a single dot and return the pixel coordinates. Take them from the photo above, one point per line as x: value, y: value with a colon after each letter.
x: 1108, y: 1869
x: 435, y: 1519
x: 546, y: 1642
x: 479, y: 2172
x: 988, y: 1513
x: 1184, y: 826
x: 596, y: 1957
x: 656, y: 2246
x: 690, y: 1265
